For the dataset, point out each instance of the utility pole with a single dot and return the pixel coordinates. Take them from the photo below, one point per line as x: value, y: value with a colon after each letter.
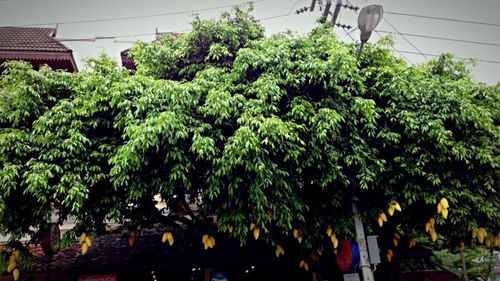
x: 336, y: 12
x: 364, y: 260
x: 313, y: 4
x: 326, y: 12
x: 368, y: 19
x: 327, y: 9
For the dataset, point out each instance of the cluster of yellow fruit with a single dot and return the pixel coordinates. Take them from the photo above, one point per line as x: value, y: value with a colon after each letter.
x: 389, y: 255
x: 255, y: 231
x: 303, y: 264
x: 483, y: 237
x: 208, y: 241
x: 85, y: 241
x: 480, y: 234
x: 381, y: 218
x: 279, y: 251
x: 395, y: 239
x: 442, y: 207
x: 393, y: 206
x: 297, y: 234
x: 168, y: 236
x: 497, y: 241
x: 333, y: 237
x: 429, y: 228
x: 12, y: 266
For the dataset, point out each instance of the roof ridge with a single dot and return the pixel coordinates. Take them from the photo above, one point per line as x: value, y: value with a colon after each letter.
x: 26, y: 27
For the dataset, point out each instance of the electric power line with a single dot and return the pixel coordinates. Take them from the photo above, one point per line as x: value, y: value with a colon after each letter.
x: 400, y: 53
x: 261, y: 19
x: 277, y: 16
x: 274, y: 17
x: 404, y: 37
x: 350, y: 36
x: 444, y: 38
x: 352, y: 30
x: 431, y: 55
x: 93, y: 39
x: 137, y: 17
x: 460, y: 58
x: 187, y: 30
x: 441, y: 18
x: 283, y: 15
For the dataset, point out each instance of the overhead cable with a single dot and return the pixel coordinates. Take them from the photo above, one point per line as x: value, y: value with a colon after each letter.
x: 431, y: 55
x: 404, y: 37
x: 441, y: 18
x: 283, y: 15
x: 444, y: 38
x: 394, y: 49
x: 460, y: 58
x: 138, y: 17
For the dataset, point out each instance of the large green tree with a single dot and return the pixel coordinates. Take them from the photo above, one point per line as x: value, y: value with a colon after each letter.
x: 281, y: 132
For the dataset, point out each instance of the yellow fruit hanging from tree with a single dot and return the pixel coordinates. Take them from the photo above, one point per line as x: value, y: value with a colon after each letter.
x: 256, y: 232
x: 279, y: 251
x: 389, y: 255
x: 88, y: 241
x: 329, y: 231
x: 85, y: 248
x: 16, y: 274
x: 444, y: 203
x: 303, y: 264
x: 83, y: 236
x: 11, y: 266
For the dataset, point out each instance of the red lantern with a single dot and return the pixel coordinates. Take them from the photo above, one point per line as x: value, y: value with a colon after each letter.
x: 348, y: 256
x: 344, y: 257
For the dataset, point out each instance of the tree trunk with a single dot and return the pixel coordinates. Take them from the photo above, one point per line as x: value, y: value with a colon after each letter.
x: 464, y: 268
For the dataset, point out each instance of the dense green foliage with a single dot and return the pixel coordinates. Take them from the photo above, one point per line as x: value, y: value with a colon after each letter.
x: 480, y: 262
x: 280, y: 131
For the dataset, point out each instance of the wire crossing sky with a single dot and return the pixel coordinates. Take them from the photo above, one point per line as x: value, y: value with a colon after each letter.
x: 421, y: 29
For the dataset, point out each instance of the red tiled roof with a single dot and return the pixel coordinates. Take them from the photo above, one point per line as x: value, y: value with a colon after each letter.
x: 112, y: 253
x: 40, y: 39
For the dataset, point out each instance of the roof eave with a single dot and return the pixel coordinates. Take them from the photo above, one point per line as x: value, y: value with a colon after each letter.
x: 39, y: 56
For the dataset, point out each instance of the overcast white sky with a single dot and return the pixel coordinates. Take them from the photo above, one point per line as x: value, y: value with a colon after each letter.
x: 26, y: 12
